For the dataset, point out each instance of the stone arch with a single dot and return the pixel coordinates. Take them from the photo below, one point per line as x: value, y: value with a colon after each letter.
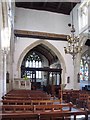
x: 49, y: 45
x: 83, y: 40
x: 84, y: 50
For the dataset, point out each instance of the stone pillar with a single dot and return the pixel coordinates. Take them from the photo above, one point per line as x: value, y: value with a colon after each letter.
x: 12, y: 48
x: 1, y: 74
x: 4, y: 71
x: 1, y: 55
x: 10, y: 61
x: 76, y: 71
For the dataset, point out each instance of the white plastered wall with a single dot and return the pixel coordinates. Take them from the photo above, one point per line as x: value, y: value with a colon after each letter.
x: 33, y: 20
x: 43, y: 21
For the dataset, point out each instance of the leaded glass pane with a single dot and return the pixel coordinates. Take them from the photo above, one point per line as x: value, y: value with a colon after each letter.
x: 86, y: 72
x: 26, y: 64
x: 32, y: 60
x: 36, y: 64
x: 84, y: 66
x: 81, y: 71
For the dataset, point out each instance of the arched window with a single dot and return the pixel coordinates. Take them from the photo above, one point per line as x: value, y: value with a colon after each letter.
x: 84, y: 67
x: 31, y: 60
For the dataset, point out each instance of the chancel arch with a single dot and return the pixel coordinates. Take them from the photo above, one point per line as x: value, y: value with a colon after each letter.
x: 50, y: 49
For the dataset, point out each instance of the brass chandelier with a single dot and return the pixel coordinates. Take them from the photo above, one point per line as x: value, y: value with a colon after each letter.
x: 73, y: 42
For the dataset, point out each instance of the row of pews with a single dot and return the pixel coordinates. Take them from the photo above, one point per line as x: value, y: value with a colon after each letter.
x: 27, y: 95
x: 80, y: 98
x: 19, y: 104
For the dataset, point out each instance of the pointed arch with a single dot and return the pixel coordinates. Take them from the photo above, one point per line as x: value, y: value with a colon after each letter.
x: 50, y: 46
x: 83, y: 40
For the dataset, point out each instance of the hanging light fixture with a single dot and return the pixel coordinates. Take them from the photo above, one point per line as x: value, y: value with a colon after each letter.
x: 73, y: 42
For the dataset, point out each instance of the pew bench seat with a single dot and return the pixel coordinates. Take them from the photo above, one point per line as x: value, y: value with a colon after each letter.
x: 40, y: 112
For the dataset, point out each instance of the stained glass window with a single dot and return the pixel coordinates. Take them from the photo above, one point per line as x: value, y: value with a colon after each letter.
x: 81, y: 71
x: 86, y: 72
x: 32, y: 60
x: 84, y: 66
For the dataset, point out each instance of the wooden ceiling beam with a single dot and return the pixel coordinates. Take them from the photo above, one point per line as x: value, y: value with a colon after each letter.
x: 44, y: 3
x: 41, y: 35
x: 59, y: 5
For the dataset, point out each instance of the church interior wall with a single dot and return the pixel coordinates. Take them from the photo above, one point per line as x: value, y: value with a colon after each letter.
x: 35, y: 20
x: 46, y: 22
x: 0, y: 53
x: 35, y: 25
x: 75, y: 19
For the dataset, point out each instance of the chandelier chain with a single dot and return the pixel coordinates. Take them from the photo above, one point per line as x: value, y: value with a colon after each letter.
x: 73, y: 42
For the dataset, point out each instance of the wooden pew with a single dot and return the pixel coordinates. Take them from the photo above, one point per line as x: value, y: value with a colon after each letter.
x: 29, y: 94
x: 52, y: 107
x: 18, y: 112
x: 30, y: 102
x: 74, y: 96
x: 17, y: 108
x: 16, y: 98
x: 52, y: 112
x: 25, y: 98
x: 16, y: 102
x: 87, y: 104
x: 45, y: 102
x: 80, y: 102
x: 70, y: 95
x: 39, y: 112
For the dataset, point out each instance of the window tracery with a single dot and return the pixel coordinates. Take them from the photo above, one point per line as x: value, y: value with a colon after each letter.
x: 32, y: 60
x: 84, y: 67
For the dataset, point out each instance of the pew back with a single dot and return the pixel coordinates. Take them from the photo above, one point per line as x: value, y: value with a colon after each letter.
x: 54, y: 107
x: 17, y: 108
x: 30, y: 102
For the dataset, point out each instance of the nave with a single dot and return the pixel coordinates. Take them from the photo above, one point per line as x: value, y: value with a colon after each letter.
x: 44, y: 60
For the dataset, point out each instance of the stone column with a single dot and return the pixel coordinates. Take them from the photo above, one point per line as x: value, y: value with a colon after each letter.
x: 12, y: 48
x: 10, y: 61
x: 1, y: 55
x: 1, y: 74
x: 76, y: 71
x: 4, y: 71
